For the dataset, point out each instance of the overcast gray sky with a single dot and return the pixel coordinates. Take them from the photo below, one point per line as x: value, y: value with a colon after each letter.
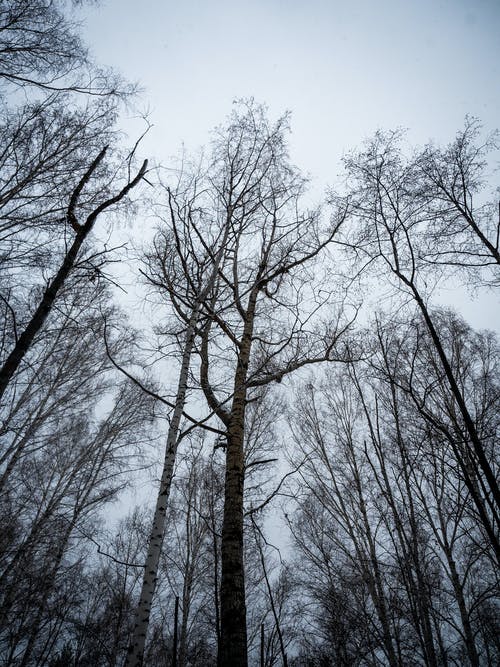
x: 344, y: 69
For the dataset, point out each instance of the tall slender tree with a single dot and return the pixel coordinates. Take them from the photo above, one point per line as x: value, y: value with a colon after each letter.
x: 263, y: 321
x: 392, y: 208
x: 172, y: 257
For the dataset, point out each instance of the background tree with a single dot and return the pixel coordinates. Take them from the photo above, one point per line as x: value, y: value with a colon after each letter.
x: 56, y: 491
x: 40, y: 48
x: 386, y: 522
x: 66, y: 437
x: 390, y: 229
x: 391, y: 496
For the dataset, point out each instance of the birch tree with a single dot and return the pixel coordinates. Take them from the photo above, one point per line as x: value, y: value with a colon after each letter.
x: 392, y: 210
x: 176, y: 253
x: 399, y: 565
x: 263, y: 322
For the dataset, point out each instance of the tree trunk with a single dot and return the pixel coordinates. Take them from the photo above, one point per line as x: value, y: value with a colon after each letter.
x: 233, y: 646
x: 233, y: 649
x: 176, y: 629
x: 215, y: 546
x: 135, y: 654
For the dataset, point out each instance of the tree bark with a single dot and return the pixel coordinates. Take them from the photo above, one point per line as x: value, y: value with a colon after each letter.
x: 135, y: 654
x: 233, y: 646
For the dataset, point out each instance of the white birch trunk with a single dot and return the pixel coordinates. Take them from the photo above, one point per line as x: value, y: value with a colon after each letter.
x: 135, y: 654
x: 136, y: 651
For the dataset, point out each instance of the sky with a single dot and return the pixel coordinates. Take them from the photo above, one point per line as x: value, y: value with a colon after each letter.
x: 344, y: 69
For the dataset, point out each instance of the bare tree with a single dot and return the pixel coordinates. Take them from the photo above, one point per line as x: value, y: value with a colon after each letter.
x: 453, y: 182
x: 390, y: 230
x: 336, y: 531
x: 57, y: 493
x: 171, y: 258
x: 263, y: 321
x: 81, y: 231
x: 428, y: 438
x: 385, y: 520
x: 55, y: 180
x: 40, y: 47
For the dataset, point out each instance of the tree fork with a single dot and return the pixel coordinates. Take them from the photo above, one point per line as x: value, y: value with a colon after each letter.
x: 25, y: 340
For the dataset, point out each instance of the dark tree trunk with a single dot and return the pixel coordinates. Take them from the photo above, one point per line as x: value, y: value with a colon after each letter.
x: 233, y: 646
x: 176, y: 629
x: 233, y: 649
